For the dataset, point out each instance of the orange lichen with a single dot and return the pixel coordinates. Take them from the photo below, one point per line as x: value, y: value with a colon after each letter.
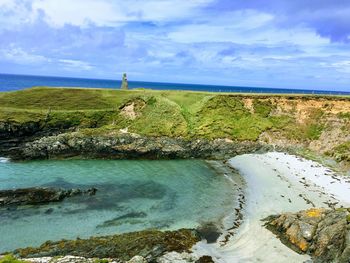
x: 313, y: 212
x: 300, y: 243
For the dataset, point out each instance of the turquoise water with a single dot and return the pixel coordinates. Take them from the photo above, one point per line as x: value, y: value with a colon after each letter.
x: 132, y: 195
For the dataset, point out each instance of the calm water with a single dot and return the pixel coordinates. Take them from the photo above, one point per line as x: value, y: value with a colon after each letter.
x: 132, y: 195
x: 17, y: 82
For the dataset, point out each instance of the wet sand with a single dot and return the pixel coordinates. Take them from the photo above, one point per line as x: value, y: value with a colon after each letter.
x: 276, y: 183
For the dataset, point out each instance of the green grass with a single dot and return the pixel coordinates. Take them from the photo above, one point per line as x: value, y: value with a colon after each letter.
x: 164, y: 113
x: 226, y: 117
x: 11, y: 259
x: 308, y: 130
x: 341, y: 152
x: 263, y: 108
x: 345, y: 115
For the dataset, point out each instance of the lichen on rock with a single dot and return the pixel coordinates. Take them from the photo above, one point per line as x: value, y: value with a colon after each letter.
x: 322, y: 233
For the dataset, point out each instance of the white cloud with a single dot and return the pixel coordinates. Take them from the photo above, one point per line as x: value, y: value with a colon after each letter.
x: 79, y: 65
x: 341, y: 66
x: 15, y: 13
x: 103, y: 12
x: 246, y: 27
x: 20, y: 56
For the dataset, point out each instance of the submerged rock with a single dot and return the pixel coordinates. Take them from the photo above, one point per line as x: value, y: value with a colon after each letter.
x: 149, y: 244
x: 122, y: 219
x: 33, y: 196
x: 324, y: 234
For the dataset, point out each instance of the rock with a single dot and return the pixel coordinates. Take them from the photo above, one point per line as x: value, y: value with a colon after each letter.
x: 324, y: 234
x: 71, y: 259
x: 49, y: 211
x: 127, y: 145
x: 209, y: 232
x: 205, y: 259
x: 149, y: 244
x: 116, y: 221
x: 137, y: 259
x: 34, y: 196
x: 175, y: 257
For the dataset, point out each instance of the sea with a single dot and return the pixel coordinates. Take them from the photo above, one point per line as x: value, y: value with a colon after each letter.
x: 17, y: 82
x: 132, y: 195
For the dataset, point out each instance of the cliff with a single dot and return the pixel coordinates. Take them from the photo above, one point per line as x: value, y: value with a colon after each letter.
x: 61, y: 122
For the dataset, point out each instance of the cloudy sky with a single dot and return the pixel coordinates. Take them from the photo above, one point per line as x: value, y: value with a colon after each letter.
x: 270, y: 43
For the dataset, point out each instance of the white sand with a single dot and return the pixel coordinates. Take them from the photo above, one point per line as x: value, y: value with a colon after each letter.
x: 276, y: 183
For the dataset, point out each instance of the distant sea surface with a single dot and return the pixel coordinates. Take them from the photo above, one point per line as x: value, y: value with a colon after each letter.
x: 18, y: 82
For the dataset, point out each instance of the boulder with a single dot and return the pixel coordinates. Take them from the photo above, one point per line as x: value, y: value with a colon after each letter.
x: 323, y: 234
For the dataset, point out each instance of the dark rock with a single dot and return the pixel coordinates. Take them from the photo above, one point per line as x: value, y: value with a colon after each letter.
x: 209, y: 232
x: 128, y: 146
x: 324, y: 234
x: 33, y: 196
x: 149, y: 244
x: 116, y: 221
x: 205, y: 259
x: 49, y: 211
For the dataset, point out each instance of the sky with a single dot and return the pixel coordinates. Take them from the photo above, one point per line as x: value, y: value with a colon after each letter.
x: 271, y: 43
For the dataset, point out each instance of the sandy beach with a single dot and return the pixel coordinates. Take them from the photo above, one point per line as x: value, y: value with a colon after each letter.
x: 276, y: 183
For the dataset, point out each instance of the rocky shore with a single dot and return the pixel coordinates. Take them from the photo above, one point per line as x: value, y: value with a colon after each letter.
x: 126, y: 146
x: 135, y: 247
x: 323, y: 234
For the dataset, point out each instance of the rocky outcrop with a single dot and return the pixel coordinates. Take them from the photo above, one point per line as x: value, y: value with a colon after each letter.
x: 324, y: 234
x: 167, y: 258
x: 130, y: 146
x: 148, y: 244
x: 34, y: 196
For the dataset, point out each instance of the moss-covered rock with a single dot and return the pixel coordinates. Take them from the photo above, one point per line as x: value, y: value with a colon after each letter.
x: 149, y: 244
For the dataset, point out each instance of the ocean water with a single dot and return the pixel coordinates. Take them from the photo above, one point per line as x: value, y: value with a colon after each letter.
x: 17, y: 82
x: 132, y: 195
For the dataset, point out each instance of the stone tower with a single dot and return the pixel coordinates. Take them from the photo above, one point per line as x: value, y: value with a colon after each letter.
x: 124, y: 82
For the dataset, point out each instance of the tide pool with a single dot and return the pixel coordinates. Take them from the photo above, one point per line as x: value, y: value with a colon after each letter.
x: 132, y: 195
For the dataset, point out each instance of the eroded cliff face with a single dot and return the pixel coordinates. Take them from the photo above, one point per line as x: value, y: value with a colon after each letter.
x: 56, y: 123
x: 321, y: 125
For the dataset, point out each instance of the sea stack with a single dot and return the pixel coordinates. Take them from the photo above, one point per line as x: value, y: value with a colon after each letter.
x: 124, y: 82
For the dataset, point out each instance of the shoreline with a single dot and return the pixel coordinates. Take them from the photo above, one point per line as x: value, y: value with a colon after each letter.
x: 268, y: 184
x: 276, y: 183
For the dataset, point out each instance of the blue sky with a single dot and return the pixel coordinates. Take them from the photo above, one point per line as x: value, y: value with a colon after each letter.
x: 270, y: 43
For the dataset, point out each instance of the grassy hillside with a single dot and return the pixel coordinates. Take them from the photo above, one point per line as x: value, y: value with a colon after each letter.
x: 291, y: 118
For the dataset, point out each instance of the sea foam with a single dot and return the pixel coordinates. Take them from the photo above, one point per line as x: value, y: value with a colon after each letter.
x: 4, y: 160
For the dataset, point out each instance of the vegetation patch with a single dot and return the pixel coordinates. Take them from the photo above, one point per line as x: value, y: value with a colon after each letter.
x: 11, y: 259
x: 310, y: 129
x: 226, y: 117
x: 344, y: 115
x: 341, y: 152
x: 159, y: 113
x: 263, y: 107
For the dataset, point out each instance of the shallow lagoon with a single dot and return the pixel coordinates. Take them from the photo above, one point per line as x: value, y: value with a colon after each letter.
x: 132, y: 195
